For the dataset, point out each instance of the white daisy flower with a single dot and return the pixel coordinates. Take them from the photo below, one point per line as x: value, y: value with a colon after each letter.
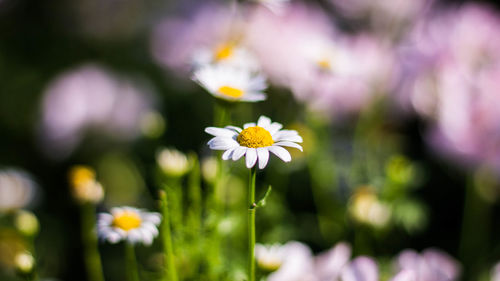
x: 231, y: 84
x: 228, y: 54
x: 255, y: 141
x: 128, y: 224
x: 269, y: 257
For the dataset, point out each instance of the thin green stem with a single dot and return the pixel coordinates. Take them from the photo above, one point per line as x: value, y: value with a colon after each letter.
x: 474, y: 240
x: 91, y: 251
x: 251, y: 224
x: 166, y: 234
x: 131, y: 262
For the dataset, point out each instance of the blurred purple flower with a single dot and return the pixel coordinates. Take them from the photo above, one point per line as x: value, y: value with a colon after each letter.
x: 360, y: 269
x: 454, y: 78
x: 329, y: 265
x: 332, y: 72
x: 90, y: 97
x: 297, y: 264
x: 430, y: 265
x: 213, y: 33
x: 405, y: 275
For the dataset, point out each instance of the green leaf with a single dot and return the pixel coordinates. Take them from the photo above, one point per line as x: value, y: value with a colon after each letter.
x: 262, y: 202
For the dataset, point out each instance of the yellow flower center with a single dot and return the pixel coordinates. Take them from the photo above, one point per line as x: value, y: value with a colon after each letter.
x: 324, y: 64
x: 255, y: 137
x: 231, y: 92
x: 81, y: 175
x: 127, y: 220
x: 223, y: 52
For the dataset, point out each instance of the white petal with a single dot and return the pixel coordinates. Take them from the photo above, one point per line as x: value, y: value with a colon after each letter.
x: 274, y: 128
x: 291, y: 138
x: 152, y: 217
x: 104, y: 219
x: 238, y: 152
x: 220, y: 132
x: 134, y: 236
x: 113, y: 237
x: 227, y: 154
x: 263, y: 156
x: 247, y: 125
x: 287, y: 135
x: 237, y: 129
x: 264, y: 122
x: 289, y: 144
x: 222, y: 143
x: 251, y: 157
x: 253, y: 97
x: 282, y: 153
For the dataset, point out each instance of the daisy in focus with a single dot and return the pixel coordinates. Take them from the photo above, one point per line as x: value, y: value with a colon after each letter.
x: 128, y: 224
x: 255, y: 141
x: 231, y: 84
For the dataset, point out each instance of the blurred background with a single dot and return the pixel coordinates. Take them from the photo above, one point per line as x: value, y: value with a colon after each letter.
x: 401, y: 148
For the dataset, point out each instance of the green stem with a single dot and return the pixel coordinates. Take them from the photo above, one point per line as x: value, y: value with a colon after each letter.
x: 131, y: 262
x: 166, y: 234
x: 91, y: 251
x: 251, y: 224
x: 474, y: 241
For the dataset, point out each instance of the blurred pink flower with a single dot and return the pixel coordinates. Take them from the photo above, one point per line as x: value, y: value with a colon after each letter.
x: 454, y: 80
x: 213, y: 33
x: 332, y: 72
x: 297, y: 264
x: 405, y: 275
x: 336, y: 264
x: 329, y: 265
x: 430, y: 265
x: 360, y: 269
x: 90, y: 97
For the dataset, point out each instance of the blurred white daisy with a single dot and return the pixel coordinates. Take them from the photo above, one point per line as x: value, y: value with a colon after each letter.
x: 228, y: 54
x: 230, y: 83
x: 255, y: 141
x: 128, y: 224
x: 172, y: 162
x: 293, y: 261
x: 269, y: 257
x: 17, y: 189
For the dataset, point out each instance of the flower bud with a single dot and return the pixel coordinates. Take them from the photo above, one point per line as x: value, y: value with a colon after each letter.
x: 84, y: 186
x: 26, y: 223
x: 172, y: 162
x: 24, y: 262
x: 209, y: 169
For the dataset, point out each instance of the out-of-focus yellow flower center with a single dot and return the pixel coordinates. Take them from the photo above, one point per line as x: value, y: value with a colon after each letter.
x: 224, y: 51
x: 230, y: 91
x: 255, y: 137
x: 324, y: 64
x: 269, y: 265
x: 127, y: 220
x: 81, y: 175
